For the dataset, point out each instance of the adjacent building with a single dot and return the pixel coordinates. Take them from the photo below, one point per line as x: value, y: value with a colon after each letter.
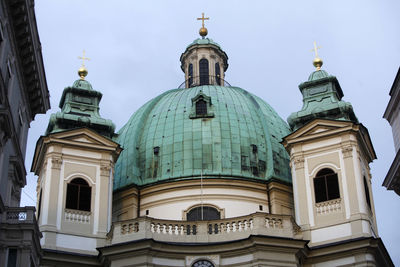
x: 392, y: 115
x: 23, y: 94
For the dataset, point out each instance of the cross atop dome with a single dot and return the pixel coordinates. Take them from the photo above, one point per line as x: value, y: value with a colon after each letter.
x: 317, y: 62
x: 203, y: 30
x: 82, y: 72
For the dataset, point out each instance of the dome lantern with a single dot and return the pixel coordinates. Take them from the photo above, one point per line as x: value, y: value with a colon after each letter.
x: 204, y: 62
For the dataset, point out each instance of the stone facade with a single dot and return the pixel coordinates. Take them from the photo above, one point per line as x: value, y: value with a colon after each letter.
x: 23, y: 94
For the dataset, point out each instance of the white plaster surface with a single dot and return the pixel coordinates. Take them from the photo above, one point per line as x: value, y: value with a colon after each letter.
x: 329, y: 233
x: 76, y: 242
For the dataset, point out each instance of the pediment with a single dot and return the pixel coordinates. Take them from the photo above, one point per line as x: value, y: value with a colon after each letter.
x: 319, y: 128
x: 83, y: 136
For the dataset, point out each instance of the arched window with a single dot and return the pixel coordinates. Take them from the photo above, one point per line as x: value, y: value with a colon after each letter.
x: 203, y: 213
x: 203, y: 67
x: 326, y: 185
x: 367, y: 196
x: 201, y: 107
x: 79, y: 195
x: 190, y: 74
x: 217, y: 74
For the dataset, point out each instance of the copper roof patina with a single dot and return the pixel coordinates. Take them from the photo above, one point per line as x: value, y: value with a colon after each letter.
x: 163, y: 142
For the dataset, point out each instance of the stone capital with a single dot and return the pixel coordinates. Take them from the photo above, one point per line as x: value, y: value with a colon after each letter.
x: 56, y: 163
x: 347, y: 151
x: 298, y: 162
x: 105, y: 169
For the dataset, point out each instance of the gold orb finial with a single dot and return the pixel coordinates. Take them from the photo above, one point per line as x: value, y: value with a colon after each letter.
x: 83, y: 72
x: 203, y: 30
x: 317, y: 62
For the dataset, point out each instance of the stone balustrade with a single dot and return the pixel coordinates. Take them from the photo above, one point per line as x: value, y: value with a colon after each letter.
x: 205, y: 231
x: 77, y: 216
x: 330, y: 206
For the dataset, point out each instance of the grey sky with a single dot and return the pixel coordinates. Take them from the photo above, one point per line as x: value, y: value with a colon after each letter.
x: 135, y: 47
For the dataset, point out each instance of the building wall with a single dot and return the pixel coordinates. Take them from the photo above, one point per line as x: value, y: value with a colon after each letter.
x: 23, y: 94
x: 233, y: 198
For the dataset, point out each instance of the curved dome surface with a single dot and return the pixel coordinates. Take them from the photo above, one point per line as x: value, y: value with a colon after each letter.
x: 163, y: 142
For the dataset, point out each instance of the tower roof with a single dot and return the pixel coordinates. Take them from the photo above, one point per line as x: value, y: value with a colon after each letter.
x: 79, y: 105
x: 322, y: 98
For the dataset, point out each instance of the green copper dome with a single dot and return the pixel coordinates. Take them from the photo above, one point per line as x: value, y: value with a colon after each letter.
x: 236, y: 137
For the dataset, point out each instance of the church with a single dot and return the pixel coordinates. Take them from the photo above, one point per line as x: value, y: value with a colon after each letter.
x: 207, y: 174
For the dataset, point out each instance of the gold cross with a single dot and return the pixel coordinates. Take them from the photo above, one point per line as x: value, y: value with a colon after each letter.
x: 83, y: 58
x: 316, y: 49
x: 202, y: 19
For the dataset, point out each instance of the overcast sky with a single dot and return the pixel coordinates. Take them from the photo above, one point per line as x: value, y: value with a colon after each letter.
x: 135, y: 47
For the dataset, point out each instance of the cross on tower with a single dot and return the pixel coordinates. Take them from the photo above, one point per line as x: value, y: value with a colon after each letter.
x: 202, y: 19
x: 315, y: 49
x: 83, y: 58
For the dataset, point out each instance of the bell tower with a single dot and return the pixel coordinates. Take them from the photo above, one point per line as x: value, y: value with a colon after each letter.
x: 204, y: 62
x: 74, y: 163
x: 330, y: 152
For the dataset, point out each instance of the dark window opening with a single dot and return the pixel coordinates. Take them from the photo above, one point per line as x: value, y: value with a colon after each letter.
x: 1, y: 34
x: 204, y: 72
x: 217, y: 73
x: 201, y: 107
x: 147, y: 212
x: 156, y: 150
x: 326, y: 186
x: 261, y: 207
x: 12, y: 257
x: 40, y: 203
x: 367, y: 196
x: 79, y: 195
x: 254, y: 148
x: 203, y: 214
x: 190, y: 74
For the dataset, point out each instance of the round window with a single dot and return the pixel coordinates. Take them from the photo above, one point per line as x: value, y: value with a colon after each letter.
x: 203, y: 263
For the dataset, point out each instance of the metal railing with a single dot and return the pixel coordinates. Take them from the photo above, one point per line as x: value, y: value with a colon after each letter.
x: 204, y: 80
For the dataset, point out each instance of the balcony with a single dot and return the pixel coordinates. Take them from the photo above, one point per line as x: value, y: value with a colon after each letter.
x: 19, y: 215
x: 205, y: 231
